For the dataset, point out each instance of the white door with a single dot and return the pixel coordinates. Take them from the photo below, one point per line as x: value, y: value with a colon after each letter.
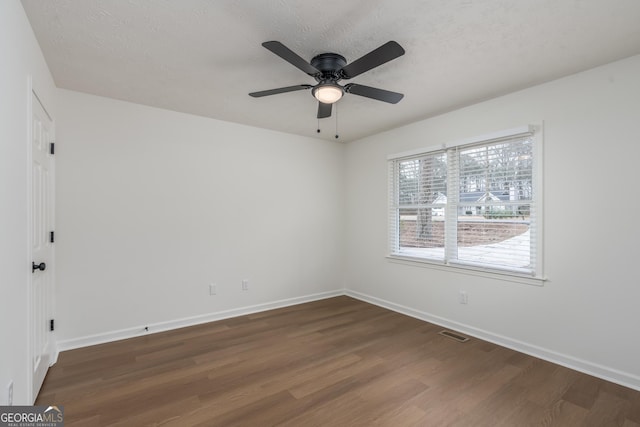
x: 42, y: 216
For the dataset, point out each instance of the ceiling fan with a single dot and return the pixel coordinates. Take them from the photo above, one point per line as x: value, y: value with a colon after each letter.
x: 329, y: 68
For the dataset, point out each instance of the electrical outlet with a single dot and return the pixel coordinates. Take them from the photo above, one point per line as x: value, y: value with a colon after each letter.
x: 463, y: 298
x: 245, y: 285
x: 10, y: 394
x: 212, y: 289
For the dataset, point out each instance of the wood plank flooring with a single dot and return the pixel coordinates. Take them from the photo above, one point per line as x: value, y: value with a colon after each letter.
x: 335, y: 362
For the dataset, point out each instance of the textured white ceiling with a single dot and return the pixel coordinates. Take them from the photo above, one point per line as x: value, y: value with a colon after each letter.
x: 203, y: 56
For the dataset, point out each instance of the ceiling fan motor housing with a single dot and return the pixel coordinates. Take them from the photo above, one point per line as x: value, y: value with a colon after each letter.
x: 329, y: 64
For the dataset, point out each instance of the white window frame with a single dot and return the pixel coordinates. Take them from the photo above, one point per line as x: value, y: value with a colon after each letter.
x: 536, y: 275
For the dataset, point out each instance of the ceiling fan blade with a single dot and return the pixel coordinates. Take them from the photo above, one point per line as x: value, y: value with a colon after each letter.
x: 279, y: 90
x: 291, y: 57
x: 374, y: 93
x: 385, y: 53
x: 324, y: 110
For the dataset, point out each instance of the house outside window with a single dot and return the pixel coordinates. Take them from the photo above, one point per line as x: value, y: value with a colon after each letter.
x: 471, y: 204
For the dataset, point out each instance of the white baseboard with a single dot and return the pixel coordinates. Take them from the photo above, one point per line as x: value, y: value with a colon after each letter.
x: 623, y: 378
x: 604, y: 372
x: 188, y: 321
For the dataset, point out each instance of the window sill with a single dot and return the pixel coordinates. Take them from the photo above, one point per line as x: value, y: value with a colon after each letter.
x: 469, y: 270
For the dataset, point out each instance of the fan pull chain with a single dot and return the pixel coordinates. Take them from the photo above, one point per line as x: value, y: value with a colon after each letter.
x: 318, y: 131
x: 336, y: 108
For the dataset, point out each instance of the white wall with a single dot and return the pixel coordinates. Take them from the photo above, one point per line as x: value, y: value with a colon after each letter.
x: 20, y: 57
x: 154, y: 205
x: 587, y: 314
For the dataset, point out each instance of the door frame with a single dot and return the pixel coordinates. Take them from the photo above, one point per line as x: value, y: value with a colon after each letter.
x: 32, y: 95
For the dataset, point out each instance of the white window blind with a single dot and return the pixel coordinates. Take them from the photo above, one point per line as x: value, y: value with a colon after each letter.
x: 420, y: 204
x: 471, y: 204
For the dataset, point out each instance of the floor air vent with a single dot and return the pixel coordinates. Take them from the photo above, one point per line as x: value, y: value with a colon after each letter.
x: 454, y: 336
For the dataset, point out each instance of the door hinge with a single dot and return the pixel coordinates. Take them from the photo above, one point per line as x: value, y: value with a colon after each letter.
x: 52, y: 148
x: 51, y: 236
x: 51, y: 325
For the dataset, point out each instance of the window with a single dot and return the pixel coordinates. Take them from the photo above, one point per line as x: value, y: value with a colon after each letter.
x: 470, y: 204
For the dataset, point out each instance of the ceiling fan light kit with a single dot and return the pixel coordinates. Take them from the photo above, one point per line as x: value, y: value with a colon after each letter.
x: 328, y: 93
x: 329, y: 68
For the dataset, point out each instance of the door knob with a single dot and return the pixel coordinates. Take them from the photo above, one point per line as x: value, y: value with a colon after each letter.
x: 40, y: 266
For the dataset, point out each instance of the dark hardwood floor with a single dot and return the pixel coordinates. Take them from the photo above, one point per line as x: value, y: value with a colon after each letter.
x: 335, y: 362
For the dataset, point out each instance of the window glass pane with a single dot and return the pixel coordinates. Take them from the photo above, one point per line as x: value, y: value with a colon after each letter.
x: 422, y: 232
x: 423, y: 180
x: 499, y: 171
x: 497, y: 235
x: 408, y: 179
